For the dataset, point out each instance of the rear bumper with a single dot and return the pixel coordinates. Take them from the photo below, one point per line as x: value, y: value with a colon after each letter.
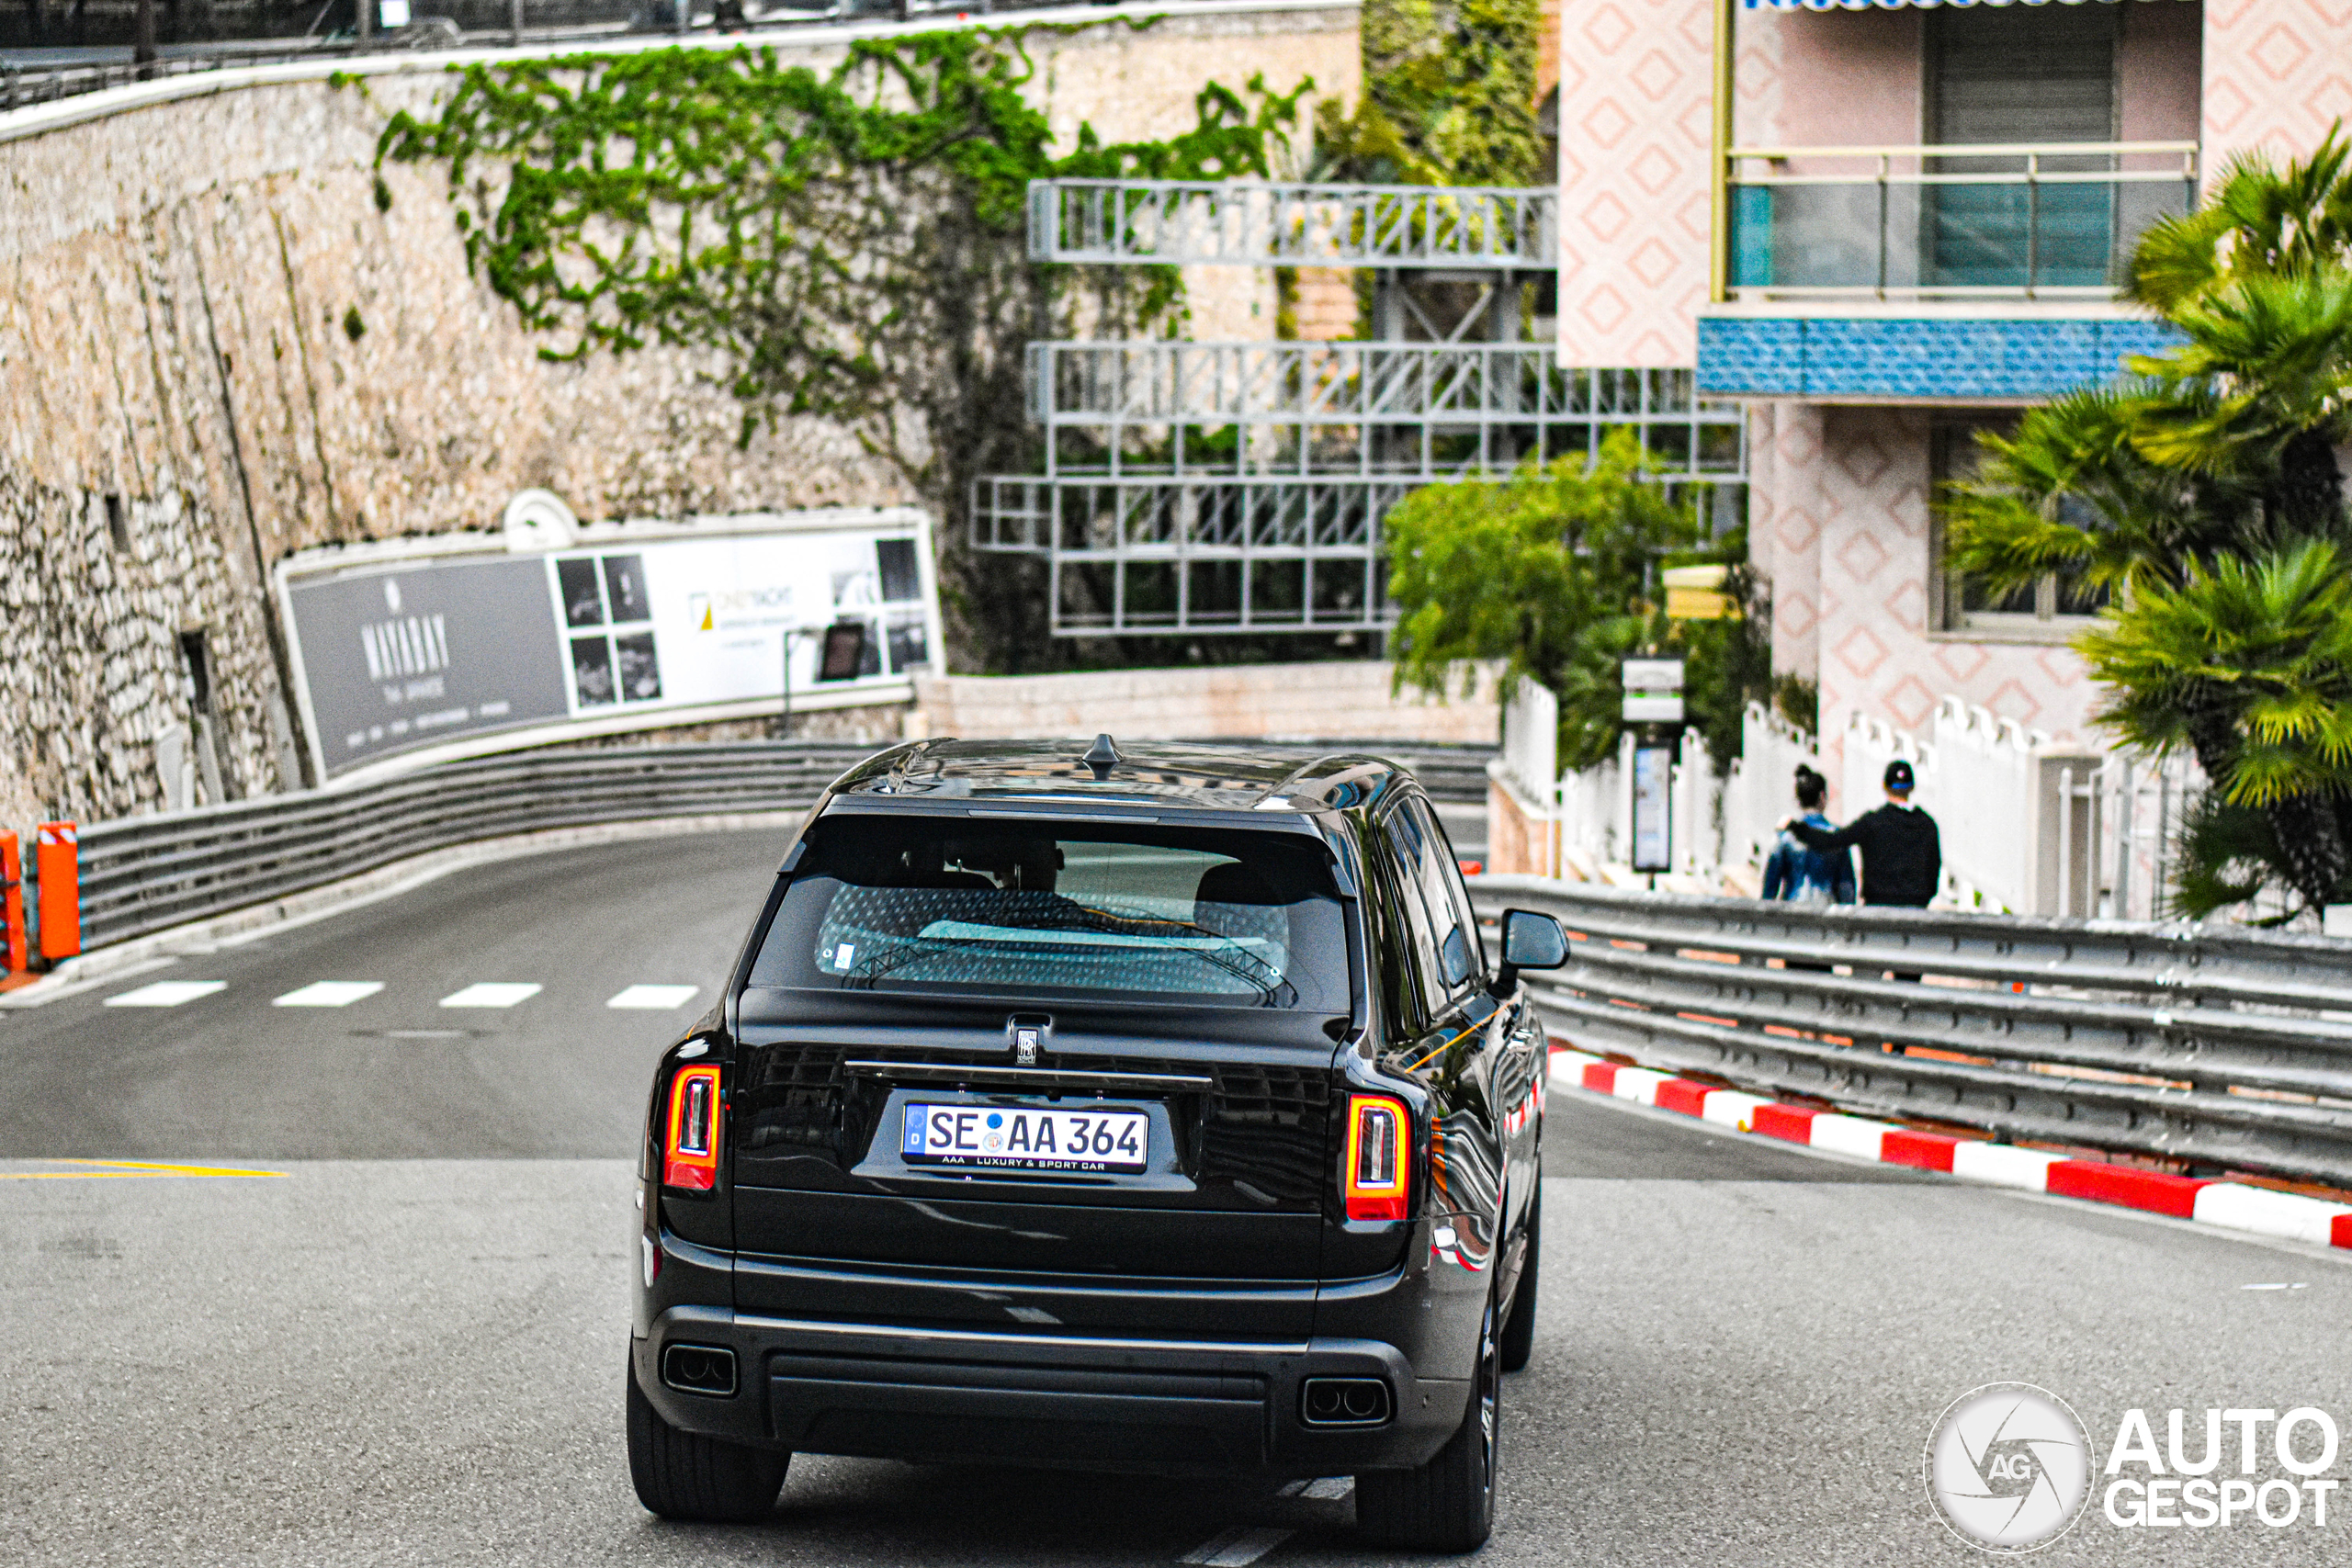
x: 1095, y: 1402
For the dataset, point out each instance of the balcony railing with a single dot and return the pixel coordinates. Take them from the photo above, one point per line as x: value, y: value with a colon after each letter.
x: 1251, y: 223
x: 2006, y: 222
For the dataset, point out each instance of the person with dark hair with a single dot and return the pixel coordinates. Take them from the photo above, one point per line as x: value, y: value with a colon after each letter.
x: 1797, y: 873
x: 1903, y: 859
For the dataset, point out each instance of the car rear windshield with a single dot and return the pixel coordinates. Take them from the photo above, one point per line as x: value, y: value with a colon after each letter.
x: 1219, y: 917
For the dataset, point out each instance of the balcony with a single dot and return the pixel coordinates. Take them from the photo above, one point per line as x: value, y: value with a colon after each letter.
x: 1950, y: 274
x: 1997, y: 223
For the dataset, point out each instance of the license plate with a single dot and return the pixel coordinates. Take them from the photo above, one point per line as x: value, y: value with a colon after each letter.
x: 1027, y: 1138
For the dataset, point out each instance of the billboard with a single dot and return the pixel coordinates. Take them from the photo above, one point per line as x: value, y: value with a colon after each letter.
x: 423, y: 650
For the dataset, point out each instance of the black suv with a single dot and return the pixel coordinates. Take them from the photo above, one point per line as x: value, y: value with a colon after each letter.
x: 1154, y: 1112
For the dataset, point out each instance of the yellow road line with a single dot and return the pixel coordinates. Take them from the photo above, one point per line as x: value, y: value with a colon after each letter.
x: 119, y: 1170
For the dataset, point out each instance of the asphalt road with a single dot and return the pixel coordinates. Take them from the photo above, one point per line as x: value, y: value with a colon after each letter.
x: 406, y: 1348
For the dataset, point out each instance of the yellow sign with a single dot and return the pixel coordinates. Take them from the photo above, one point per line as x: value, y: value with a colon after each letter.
x: 1695, y: 594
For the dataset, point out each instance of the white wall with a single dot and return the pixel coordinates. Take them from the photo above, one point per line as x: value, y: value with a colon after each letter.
x: 1330, y: 700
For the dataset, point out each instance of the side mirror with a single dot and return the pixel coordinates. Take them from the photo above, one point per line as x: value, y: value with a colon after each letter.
x: 1531, y: 940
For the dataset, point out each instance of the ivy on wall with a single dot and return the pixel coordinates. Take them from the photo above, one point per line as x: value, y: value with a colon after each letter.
x: 850, y: 241
x: 1449, y: 97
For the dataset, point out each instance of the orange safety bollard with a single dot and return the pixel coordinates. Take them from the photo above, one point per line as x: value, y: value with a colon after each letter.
x: 56, y: 859
x: 12, y: 898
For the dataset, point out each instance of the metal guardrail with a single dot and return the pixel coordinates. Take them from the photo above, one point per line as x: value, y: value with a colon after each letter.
x: 150, y: 873
x: 1258, y: 224
x: 2228, y: 1049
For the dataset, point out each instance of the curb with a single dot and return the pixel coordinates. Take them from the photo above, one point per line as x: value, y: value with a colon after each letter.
x: 2231, y: 1205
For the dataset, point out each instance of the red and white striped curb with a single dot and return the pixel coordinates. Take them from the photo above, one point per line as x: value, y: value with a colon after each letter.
x: 2234, y: 1204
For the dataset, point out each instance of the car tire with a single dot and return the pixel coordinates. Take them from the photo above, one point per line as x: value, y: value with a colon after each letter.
x: 1448, y: 1505
x: 698, y: 1480
x: 1519, y: 1328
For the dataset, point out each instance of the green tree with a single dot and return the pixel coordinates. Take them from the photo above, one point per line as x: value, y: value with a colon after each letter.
x: 1551, y: 570
x: 2206, y: 496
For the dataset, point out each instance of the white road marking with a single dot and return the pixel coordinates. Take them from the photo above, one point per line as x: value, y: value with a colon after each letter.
x: 491, y: 994
x: 166, y: 993
x: 1237, y: 1548
x: 329, y: 994
x: 1330, y: 1488
x: 2298, y: 1285
x: 654, y: 998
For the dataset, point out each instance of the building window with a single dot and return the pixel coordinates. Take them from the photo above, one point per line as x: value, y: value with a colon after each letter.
x: 2007, y: 76
x: 2052, y: 609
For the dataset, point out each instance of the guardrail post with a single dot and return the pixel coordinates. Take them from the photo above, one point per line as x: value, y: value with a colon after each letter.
x: 57, y: 861
x: 12, y: 891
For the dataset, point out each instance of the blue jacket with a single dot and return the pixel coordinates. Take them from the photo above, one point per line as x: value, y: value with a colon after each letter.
x: 1792, y: 867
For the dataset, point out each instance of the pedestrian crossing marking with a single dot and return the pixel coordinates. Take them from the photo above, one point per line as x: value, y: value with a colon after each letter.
x: 654, y: 998
x: 329, y: 994
x: 491, y: 994
x: 166, y: 993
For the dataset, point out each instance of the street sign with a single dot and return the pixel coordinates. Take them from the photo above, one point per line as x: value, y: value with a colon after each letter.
x: 1653, y: 674
x: 1653, y: 812
x: 1642, y: 708
x: 1696, y: 592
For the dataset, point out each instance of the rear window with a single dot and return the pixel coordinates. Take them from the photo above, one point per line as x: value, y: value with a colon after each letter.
x: 1033, y: 907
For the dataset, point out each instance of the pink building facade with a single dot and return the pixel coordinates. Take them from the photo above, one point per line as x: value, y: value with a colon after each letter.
x: 1776, y: 192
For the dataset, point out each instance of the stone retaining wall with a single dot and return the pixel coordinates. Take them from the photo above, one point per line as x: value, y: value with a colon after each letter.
x: 205, y: 316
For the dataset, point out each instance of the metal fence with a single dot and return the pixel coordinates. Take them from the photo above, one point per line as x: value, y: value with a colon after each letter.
x: 2222, y: 1048
x: 149, y: 874
x: 1259, y: 223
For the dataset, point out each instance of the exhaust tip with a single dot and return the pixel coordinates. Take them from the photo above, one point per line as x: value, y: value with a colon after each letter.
x: 699, y: 1368
x: 1344, y: 1401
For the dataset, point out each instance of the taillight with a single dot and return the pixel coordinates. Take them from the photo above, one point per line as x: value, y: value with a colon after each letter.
x: 690, y: 1152
x: 1379, y: 1157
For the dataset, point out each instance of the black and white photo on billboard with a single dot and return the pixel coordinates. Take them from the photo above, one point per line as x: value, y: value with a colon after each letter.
x: 909, y: 639
x: 576, y: 584
x: 624, y: 588
x: 592, y: 671
x: 638, y: 671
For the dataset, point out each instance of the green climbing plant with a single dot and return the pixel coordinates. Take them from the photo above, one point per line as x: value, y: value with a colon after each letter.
x: 849, y: 242
x: 1449, y: 97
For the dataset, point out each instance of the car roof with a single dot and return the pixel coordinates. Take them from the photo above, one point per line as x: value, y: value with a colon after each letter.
x: 1160, y: 774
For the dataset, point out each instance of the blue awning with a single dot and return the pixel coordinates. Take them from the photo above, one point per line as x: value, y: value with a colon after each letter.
x: 1902, y: 5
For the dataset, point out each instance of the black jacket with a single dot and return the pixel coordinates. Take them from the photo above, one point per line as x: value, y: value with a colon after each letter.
x: 1903, y: 857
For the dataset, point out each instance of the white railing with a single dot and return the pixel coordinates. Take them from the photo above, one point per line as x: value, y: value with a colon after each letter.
x: 1262, y: 223
x: 2028, y: 827
x: 1762, y: 788
x: 1532, y: 739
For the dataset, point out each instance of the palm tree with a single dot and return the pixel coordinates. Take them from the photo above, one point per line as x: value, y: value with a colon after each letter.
x: 2205, y: 494
x: 2250, y: 661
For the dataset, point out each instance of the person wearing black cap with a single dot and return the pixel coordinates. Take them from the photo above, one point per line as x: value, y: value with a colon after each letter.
x: 1903, y: 858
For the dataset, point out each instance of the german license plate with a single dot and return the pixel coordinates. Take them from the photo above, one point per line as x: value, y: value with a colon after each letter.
x: 1026, y: 1138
